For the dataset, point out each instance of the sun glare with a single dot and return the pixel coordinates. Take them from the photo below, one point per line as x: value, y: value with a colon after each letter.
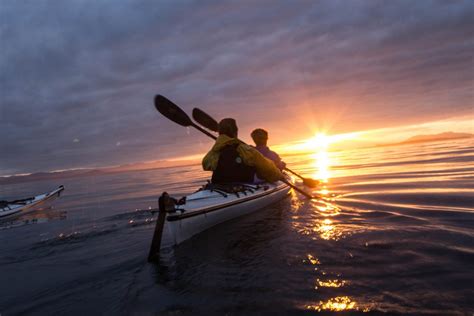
x: 320, y: 140
x: 318, y: 149
x: 318, y: 145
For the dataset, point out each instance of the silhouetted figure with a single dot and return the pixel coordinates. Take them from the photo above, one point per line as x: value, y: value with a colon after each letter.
x: 260, y: 137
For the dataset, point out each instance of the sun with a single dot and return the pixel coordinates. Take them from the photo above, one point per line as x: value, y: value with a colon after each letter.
x: 318, y: 142
x: 317, y: 148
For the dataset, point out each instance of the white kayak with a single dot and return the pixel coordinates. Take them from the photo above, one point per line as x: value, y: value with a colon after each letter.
x: 210, y: 206
x: 39, y: 201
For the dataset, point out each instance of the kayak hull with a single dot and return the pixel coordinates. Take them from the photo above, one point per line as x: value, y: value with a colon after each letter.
x: 39, y: 201
x: 205, y: 209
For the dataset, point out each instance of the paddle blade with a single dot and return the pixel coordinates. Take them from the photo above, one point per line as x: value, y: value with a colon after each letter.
x: 172, y: 111
x: 205, y: 120
x: 310, y: 182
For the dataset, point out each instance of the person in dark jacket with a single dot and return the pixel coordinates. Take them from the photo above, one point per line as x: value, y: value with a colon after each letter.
x: 260, y: 138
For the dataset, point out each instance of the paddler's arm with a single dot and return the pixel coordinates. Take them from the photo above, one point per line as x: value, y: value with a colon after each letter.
x: 266, y: 169
x: 277, y: 160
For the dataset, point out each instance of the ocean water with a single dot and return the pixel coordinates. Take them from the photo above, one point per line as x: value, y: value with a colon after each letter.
x: 393, y: 234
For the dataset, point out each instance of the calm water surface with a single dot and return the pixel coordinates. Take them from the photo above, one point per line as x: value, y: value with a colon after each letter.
x: 394, y: 234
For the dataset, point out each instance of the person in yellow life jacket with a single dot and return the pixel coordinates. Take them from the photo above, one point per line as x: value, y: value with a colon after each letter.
x: 232, y: 161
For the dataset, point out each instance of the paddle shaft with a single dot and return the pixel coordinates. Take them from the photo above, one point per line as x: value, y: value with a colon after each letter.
x: 204, y: 131
x: 294, y: 187
x: 291, y: 171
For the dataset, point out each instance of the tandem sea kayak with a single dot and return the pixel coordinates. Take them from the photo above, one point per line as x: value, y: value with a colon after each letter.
x: 14, y: 207
x: 212, y: 205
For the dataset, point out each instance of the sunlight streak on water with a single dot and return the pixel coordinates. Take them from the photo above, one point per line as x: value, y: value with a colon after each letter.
x: 320, y: 156
x: 312, y: 260
x: 321, y: 161
x: 329, y: 283
x: 336, y: 304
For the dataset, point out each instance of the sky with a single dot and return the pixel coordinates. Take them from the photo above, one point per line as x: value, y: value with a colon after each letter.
x: 78, y: 78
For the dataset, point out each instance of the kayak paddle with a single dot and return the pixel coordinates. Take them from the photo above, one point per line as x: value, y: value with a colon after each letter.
x: 176, y: 114
x: 205, y: 120
x: 208, y: 122
x: 312, y: 183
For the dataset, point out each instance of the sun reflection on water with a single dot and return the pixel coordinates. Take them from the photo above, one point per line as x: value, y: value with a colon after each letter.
x: 326, y: 208
x: 327, y: 230
x: 324, y: 228
x: 322, y: 223
x: 313, y: 260
x: 336, y: 304
x: 319, y: 145
x: 329, y: 283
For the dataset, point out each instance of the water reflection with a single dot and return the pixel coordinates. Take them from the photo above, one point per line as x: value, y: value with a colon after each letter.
x: 321, y: 222
x: 321, y: 162
x: 329, y: 283
x: 323, y: 228
x: 37, y: 217
x: 325, y: 208
x: 327, y: 230
x: 312, y: 260
x: 336, y: 304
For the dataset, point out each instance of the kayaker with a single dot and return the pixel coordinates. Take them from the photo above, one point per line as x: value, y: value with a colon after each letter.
x: 260, y: 138
x: 232, y: 161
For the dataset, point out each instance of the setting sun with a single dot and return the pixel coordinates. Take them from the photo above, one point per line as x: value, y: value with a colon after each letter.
x: 320, y: 140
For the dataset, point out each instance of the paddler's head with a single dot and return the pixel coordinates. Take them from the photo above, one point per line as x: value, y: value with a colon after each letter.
x: 228, y: 127
x: 260, y: 137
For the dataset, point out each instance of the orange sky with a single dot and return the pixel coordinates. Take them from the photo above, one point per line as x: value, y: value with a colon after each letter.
x: 291, y: 142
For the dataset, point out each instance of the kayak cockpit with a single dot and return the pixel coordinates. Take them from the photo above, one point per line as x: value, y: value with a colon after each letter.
x: 211, y: 190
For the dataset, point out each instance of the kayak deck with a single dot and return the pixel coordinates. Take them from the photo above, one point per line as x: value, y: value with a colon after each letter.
x: 18, y: 206
x: 206, y: 201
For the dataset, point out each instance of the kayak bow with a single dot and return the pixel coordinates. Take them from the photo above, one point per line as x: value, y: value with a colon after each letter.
x: 17, y: 206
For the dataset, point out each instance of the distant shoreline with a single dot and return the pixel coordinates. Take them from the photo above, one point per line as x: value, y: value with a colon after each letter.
x: 430, y: 138
x: 39, y: 176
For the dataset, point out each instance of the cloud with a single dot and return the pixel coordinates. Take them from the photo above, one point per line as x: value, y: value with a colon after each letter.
x: 88, y: 70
